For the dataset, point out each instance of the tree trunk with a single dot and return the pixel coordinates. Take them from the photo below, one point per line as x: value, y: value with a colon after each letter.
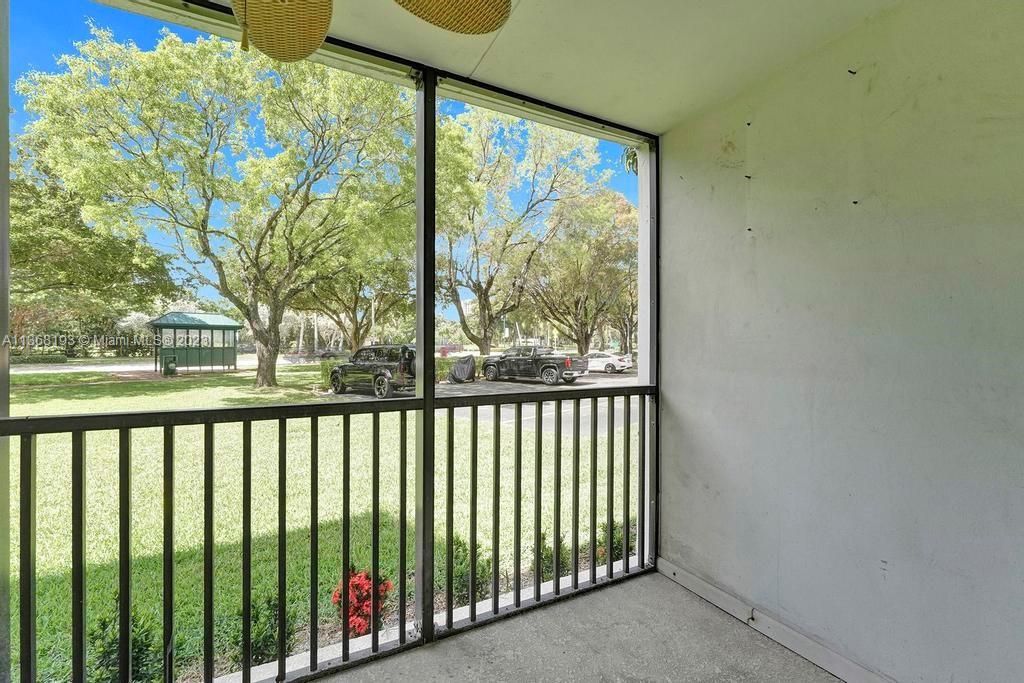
x: 584, y: 336
x: 267, y: 338
x: 626, y: 339
x: 302, y: 333
x: 266, y: 362
x: 355, y: 336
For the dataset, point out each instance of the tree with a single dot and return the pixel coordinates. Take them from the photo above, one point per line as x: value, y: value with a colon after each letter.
x: 624, y: 312
x: 582, y: 271
x: 371, y: 294
x: 256, y: 170
x: 64, y: 266
x: 519, y: 170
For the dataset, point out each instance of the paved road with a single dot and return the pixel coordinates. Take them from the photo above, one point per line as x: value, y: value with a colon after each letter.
x: 245, y: 362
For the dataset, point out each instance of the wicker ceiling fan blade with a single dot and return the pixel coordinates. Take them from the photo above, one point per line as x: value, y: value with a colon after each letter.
x: 472, y: 17
x: 286, y: 30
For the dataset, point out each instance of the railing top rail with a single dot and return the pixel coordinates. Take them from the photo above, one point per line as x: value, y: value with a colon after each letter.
x: 467, y: 400
x: 51, y: 424
x: 54, y: 424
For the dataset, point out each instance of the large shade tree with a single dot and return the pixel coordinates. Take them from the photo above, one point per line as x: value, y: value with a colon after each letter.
x: 257, y: 172
x: 374, y: 290
x: 584, y: 271
x: 518, y: 170
x: 66, y: 270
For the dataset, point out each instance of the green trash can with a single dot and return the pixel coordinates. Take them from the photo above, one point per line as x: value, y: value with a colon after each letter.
x: 170, y: 365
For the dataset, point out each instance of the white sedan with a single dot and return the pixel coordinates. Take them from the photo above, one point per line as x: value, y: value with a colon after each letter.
x: 602, y: 361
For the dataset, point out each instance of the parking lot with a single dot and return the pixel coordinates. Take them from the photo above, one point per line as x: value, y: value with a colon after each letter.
x: 525, y: 386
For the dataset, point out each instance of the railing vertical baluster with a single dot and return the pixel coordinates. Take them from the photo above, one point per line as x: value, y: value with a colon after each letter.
x: 609, y: 534
x: 314, y: 539
x: 27, y: 559
x: 575, y: 493
x: 282, y: 547
x: 627, y: 415
x: 168, y: 581
x: 375, y: 535
x: 641, y: 498
x: 495, y: 503
x: 402, y: 560
x: 472, y: 511
x: 517, y: 523
x: 593, y: 491
x: 538, y: 551
x: 208, y: 551
x: 346, y: 475
x: 124, y: 593
x: 449, y: 518
x: 78, y: 620
x: 246, y: 551
x: 556, y: 540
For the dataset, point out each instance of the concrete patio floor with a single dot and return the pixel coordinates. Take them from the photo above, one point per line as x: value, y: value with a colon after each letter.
x: 645, y: 629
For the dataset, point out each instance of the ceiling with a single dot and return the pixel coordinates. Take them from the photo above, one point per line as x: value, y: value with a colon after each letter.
x: 642, y: 63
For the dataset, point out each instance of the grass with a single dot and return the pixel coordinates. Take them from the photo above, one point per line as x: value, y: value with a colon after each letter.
x: 52, y: 379
x: 54, y: 513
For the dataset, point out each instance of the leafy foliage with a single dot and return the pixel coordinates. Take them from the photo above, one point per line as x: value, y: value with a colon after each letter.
x: 264, y: 631
x: 460, y: 570
x: 602, y: 536
x: 583, y: 271
x: 547, y: 558
x: 489, y: 237
x: 103, y: 649
x: 61, y: 263
x: 258, y: 172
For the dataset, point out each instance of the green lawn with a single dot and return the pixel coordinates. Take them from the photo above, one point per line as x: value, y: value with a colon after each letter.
x: 52, y: 379
x: 54, y: 514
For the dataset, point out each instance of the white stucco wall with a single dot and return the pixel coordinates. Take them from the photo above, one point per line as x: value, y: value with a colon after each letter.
x: 843, y: 343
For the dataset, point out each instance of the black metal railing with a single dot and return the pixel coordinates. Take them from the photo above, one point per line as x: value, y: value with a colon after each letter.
x: 631, y: 460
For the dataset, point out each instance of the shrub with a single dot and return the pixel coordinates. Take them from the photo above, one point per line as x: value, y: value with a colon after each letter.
x: 547, y: 558
x: 104, y: 637
x: 602, y: 535
x: 360, y: 600
x: 264, y: 631
x: 325, y: 372
x: 19, y: 359
x: 460, y: 570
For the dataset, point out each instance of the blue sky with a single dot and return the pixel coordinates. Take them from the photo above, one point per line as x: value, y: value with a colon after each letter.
x: 42, y: 31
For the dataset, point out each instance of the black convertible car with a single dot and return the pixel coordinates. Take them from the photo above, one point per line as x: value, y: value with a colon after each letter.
x: 382, y: 369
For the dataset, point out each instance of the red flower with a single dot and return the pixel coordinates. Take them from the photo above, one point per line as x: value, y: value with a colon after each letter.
x: 360, y: 600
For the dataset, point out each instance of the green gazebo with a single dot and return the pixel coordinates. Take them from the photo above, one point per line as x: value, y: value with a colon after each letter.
x: 196, y: 341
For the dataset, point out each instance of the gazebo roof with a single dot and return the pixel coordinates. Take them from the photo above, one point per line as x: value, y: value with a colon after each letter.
x: 195, y: 321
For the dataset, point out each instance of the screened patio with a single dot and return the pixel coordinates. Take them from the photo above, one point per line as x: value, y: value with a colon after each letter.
x: 815, y: 474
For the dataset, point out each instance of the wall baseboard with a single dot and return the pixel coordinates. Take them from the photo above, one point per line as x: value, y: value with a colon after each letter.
x: 785, y: 635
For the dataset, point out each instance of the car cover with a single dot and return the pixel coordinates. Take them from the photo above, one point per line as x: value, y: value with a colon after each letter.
x: 463, y: 370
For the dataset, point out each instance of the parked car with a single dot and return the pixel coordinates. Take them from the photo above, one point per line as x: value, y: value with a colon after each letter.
x: 380, y: 368
x: 535, y: 361
x: 604, y: 361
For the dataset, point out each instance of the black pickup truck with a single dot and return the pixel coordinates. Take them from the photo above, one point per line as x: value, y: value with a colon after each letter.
x: 380, y: 368
x: 535, y: 361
